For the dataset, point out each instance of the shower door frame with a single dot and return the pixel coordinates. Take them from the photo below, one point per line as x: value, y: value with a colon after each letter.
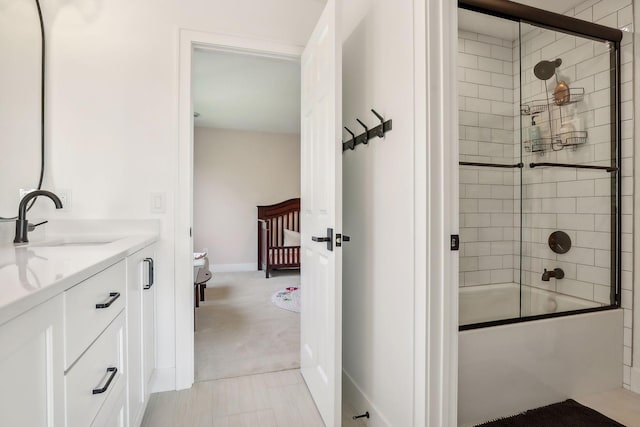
x: 565, y: 24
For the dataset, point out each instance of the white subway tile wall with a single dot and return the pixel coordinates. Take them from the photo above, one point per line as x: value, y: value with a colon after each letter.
x: 486, y: 91
x: 578, y: 201
x: 575, y: 201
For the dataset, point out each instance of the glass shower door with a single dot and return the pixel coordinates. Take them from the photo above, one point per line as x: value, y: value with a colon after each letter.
x: 538, y: 170
x: 490, y: 170
x: 569, y: 181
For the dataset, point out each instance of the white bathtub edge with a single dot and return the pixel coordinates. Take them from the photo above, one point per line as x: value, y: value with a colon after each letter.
x: 504, y: 370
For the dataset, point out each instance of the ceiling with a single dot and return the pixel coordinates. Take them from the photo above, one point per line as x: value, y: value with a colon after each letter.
x: 505, y: 29
x: 259, y: 93
x: 246, y: 92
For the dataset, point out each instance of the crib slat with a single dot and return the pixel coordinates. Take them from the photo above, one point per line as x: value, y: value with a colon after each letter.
x: 271, y: 232
x: 276, y: 219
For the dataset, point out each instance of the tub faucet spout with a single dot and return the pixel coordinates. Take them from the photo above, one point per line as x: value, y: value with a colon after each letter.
x: 558, y: 273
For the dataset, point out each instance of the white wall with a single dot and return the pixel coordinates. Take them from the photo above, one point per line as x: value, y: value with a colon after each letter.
x: 235, y: 171
x: 378, y: 212
x: 112, y: 108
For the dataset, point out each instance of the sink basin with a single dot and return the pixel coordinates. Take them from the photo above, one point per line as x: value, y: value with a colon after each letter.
x: 76, y: 244
x: 70, y: 243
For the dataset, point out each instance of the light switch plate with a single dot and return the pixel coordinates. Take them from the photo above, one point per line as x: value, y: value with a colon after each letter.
x: 158, y: 203
x: 22, y: 192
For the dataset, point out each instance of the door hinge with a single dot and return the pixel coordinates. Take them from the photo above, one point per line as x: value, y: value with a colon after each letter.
x: 455, y: 242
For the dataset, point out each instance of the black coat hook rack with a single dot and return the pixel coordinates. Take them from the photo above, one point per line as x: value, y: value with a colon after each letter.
x: 363, y: 138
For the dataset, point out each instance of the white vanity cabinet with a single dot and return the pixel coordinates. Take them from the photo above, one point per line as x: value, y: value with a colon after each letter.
x: 84, y: 356
x: 95, y: 344
x: 141, y: 293
x: 31, y: 367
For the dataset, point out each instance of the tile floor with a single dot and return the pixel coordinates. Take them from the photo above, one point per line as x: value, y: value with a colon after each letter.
x: 619, y: 404
x: 275, y: 399
x: 280, y: 398
x: 240, y: 330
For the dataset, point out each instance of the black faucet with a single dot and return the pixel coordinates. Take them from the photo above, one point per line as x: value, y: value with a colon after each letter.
x: 22, y: 225
x: 557, y: 273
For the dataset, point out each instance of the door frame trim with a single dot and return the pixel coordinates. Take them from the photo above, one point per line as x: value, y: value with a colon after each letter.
x: 436, y: 213
x: 183, y: 262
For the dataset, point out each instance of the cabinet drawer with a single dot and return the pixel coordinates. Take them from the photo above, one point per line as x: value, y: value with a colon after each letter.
x: 114, y: 411
x: 96, y: 375
x: 90, y: 306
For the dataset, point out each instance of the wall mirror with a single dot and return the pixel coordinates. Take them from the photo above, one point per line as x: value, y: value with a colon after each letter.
x: 21, y: 101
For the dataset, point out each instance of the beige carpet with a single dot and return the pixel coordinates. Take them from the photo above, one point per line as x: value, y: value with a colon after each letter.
x: 240, y: 332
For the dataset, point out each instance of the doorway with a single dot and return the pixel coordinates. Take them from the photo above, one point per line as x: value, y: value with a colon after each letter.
x: 184, y: 247
x: 246, y: 145
x: 321, y: 360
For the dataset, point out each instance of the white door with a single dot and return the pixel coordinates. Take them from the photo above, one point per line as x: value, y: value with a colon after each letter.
x: 321, y: 210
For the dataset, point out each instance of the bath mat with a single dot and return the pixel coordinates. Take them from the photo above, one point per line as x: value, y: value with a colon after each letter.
x: 287, y: 299
x: 563, y: 414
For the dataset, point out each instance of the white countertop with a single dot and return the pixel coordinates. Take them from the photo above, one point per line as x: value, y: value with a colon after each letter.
x: 33, y: 273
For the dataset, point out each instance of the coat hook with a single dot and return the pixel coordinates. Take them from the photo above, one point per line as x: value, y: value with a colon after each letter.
x: 352, y: 143
x: 379, y: 130
x: 366, y: 132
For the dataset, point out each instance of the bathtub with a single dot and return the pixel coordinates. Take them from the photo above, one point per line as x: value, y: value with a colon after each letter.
x: 486, y: 303
x: 506, y: 369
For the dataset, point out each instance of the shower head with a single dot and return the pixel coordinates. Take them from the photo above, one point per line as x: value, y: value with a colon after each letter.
x: 544, y: 70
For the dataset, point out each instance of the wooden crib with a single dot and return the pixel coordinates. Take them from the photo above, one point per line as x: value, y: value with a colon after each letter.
x: 272, y: 221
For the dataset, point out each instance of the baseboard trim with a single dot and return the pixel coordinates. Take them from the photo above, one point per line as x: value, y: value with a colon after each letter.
x: 232, y: 268
x: 635, y: 379
x: 163, y: 379
x: 354, y: 396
